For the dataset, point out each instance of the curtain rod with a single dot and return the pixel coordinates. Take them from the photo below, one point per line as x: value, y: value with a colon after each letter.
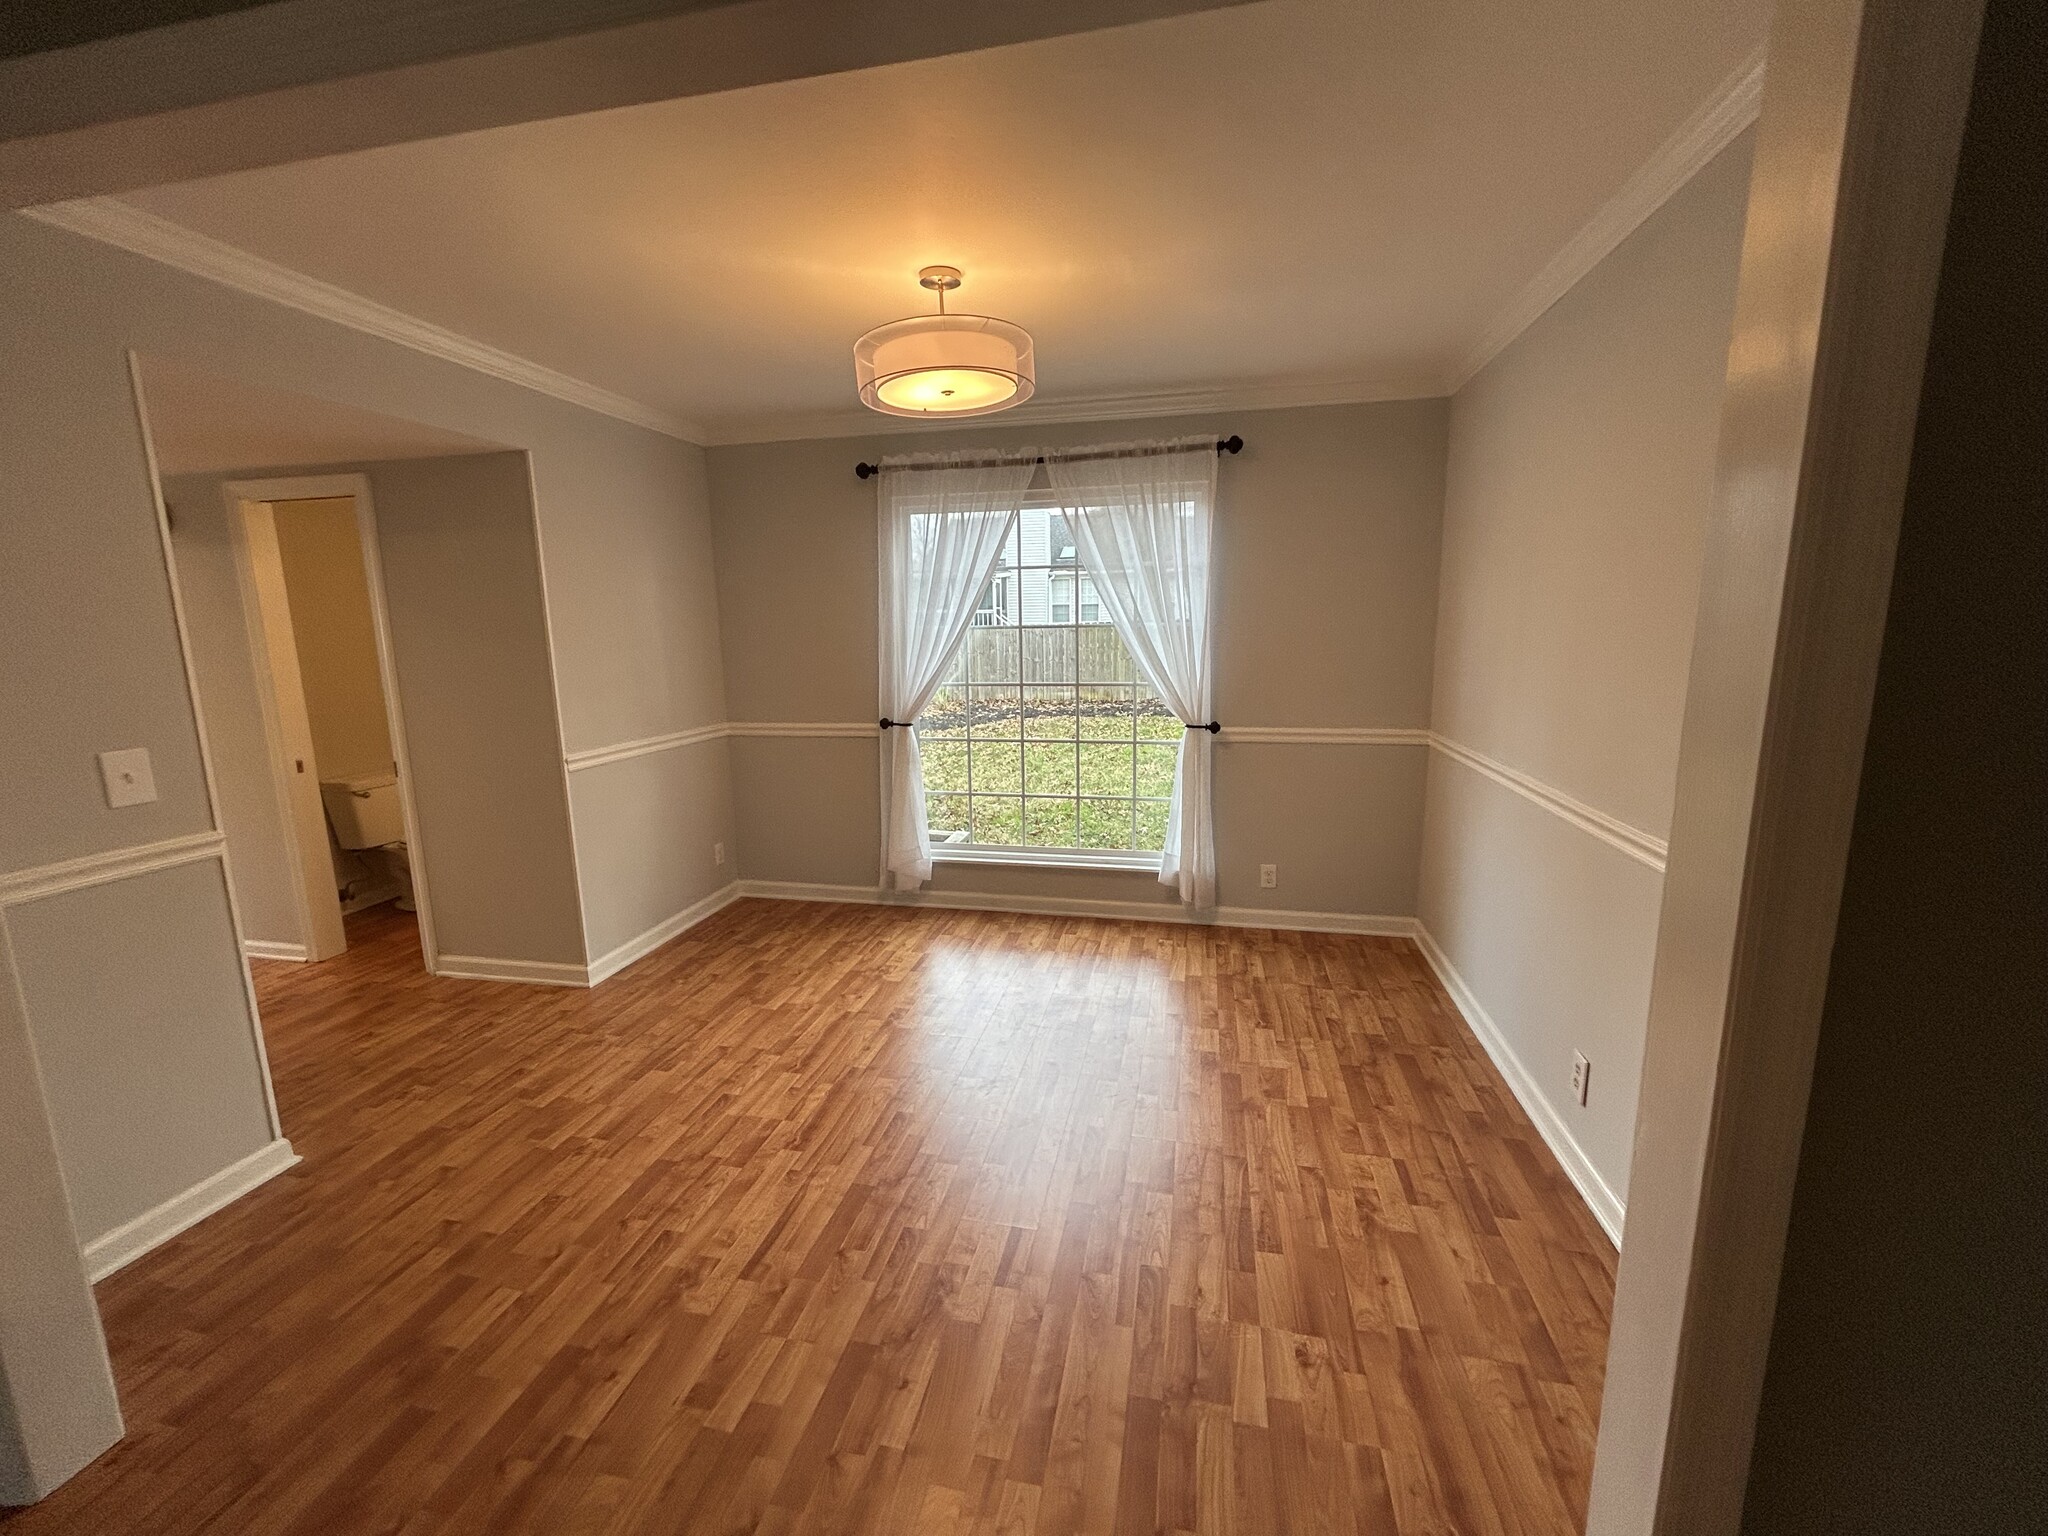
x: 1230, y: 444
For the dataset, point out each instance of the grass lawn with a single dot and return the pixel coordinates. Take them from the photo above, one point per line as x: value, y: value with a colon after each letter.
x: 1043, y: 774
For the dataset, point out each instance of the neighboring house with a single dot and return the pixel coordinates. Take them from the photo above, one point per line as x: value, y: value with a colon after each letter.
x: 1038, y: 579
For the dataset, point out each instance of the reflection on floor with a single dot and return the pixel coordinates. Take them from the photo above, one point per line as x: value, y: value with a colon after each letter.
x: 867, y: 1219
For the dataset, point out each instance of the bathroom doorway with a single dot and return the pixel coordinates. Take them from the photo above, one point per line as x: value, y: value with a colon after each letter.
x: 320, y: 650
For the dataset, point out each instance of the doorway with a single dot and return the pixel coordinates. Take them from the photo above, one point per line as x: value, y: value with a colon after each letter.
x: 320, y: 650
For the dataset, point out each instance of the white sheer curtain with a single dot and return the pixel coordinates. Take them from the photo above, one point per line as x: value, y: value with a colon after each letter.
x: 1141, y: 526
x: 943, y: 522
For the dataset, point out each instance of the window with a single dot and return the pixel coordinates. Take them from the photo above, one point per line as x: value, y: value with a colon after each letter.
x: 1043, y: 736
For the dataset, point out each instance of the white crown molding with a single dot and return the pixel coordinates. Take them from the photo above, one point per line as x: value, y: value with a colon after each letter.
x: 132, y: 1239
x: 116, y: 864
x: 1711, y: 129
x: 1127, y: 405
x: 1633, y: 841
x: 133, y: 229
x: 1600, y: 1198
x: 1702, y: 136
x: 1325, y: 736
x: 619, y: 752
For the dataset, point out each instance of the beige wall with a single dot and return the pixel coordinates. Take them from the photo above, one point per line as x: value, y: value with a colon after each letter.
x: 469, y: 645
x: 94, y: 662
x: 125, y: 1066
x: 1326, y: 557
x: 469, y: 641
x: 218, y: 630
x: 335, y: 635
x: 1579, y: 473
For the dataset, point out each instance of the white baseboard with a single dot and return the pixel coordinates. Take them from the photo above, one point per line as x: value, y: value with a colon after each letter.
x: 1074, y: 906
x: 1606, y: 1206
x: 547, y: 973
x: 618, y: 959
x: 129, y: 1241
x: 802, y: 890
x: 1379, y: 924
x: 273, y: 949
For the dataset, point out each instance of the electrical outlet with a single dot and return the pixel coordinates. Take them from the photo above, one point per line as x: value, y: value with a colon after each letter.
x: 718, y: 853
x: 1269, y: 876
x: 127, y: 777
x: 1582, y: 1075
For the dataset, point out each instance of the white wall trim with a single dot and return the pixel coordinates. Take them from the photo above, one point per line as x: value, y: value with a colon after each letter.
x: 1633, y: 841
x: 1711, y: 129
x: 114, y: 222
x: 617, y: 960
x: 1379, y: 925
x: 273, y: 949
x: 866, y: 728
x: 1326, y: 735
x: 115, y: 864
x: 1606, y: 1206
x: 1073, y: 906
x: 548, y: 973
x: 619, y: 752
x: 1115, y: 405
x: 132, y: 1239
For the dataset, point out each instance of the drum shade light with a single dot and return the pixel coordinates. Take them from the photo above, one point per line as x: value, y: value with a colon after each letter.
x: 944, y: 365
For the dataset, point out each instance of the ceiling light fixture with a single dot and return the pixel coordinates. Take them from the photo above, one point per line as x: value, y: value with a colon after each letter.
x: 944, y: 365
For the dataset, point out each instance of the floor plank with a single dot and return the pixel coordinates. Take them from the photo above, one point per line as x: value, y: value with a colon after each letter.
x: 844, y: 1219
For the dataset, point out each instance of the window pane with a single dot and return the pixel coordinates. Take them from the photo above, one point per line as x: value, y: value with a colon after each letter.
x: 1103, y: 658
x: 945, y: 764
x: 999, y: 766
x: 998, y: 819
x: 1049, y: 712
x: 1106, y: 713
x: 946, y: 715
x: 1105, y: 824
x: 1155, y: 769
x: 1155, y: 720
x: 1152, y: 824
x: 1105, y: 768
x: 994, y: 712
x: 1043, y: 734
x: 1049, y: 823
x: 992, y: 655
x: 1049, y: 770
x: 1048, y: 655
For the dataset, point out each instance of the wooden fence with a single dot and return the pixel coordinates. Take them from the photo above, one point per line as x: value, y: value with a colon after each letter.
x: 1048, y: 655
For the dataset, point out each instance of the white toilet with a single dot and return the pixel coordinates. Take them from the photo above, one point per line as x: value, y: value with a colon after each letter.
x: 366, y: 813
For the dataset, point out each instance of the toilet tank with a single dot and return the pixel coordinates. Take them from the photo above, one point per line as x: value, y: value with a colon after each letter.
x: 365, y: 811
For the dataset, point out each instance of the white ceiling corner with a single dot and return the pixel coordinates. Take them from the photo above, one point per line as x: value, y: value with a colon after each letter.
x: 1711, y: 129
x: 1296, y: 202
x: 136, y: 230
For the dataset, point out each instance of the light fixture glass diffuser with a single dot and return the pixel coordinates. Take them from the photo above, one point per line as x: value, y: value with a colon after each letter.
x: 944, y: 365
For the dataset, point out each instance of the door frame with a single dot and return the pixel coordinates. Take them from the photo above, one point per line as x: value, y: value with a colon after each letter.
x: 1857, y: 145
x: 274, y: 654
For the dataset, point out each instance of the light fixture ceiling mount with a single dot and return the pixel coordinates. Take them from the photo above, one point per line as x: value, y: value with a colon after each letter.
x: 944, y: 365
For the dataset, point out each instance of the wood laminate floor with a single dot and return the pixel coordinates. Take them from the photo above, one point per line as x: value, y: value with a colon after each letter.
x: 860, y: 1219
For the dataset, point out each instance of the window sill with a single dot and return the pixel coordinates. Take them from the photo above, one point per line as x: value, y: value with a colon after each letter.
x: 1046, y: 858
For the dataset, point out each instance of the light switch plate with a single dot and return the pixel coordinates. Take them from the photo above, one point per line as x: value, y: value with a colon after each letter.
x: 128, y: 777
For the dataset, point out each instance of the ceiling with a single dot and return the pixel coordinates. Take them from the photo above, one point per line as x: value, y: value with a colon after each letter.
x: 1293, y: 199
x: 201, y: 423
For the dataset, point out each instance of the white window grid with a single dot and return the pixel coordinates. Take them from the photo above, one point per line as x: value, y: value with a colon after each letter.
x: 999, y: 726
